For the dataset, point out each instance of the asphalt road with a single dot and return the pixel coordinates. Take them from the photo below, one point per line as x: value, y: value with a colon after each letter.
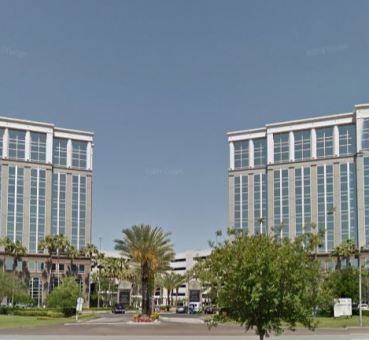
x: 175, y: 327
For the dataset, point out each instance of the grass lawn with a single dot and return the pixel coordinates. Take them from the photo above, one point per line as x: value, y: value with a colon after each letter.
x: 342, y: 322
x: 328, y: 322
x: 16, y: 321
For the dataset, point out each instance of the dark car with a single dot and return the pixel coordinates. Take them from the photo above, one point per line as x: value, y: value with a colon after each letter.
x: 210, y: 310
x: 118, y: 308
x: 182, y: 310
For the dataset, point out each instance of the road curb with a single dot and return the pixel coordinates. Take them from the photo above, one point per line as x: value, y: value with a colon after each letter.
x: 182, y: 320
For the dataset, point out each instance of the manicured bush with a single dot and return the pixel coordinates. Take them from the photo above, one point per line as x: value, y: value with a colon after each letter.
x: 65, y: 297
x: 155, y: 316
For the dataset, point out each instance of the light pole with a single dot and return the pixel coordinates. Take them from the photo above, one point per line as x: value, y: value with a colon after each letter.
x: 360, y: 307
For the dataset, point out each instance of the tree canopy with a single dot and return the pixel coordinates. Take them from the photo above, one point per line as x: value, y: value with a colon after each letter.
x: 151, y: 249
x: 263, y: 282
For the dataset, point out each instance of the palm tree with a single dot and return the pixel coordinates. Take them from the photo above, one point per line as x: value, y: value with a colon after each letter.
x: 8, y: 245
x: 151, y: 248
x: 18, y: 250
x: 169, y: 281
x: 344, y: 250
x: 314, y: 239
x: 49, y: 244
x: 72, y: 253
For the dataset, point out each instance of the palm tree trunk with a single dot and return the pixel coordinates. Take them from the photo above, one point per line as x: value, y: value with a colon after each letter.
x: 168, y: 296
x: 145, y: 288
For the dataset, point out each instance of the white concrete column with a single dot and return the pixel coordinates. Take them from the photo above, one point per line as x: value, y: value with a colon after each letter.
x: 291, y: 141
x: 28, y: 146
x: 89, y: 156
x: 49, y: 148
x: 336, y: 141
x: 231, y: 155
x: 359, y: 133
x: 69, y: 153
x: 313, y: 143
x: 251, y: 153
x: 6, y: 143
x: 270, y: 148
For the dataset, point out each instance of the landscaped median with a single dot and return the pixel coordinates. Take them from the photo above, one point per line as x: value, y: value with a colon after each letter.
x: 34, y: 317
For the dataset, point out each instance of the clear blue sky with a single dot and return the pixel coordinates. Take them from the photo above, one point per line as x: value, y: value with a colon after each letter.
x: 161, y: 82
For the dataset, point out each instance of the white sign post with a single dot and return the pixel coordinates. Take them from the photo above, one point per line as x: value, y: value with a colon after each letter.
x: 79, y: 307
x: 342, y: 307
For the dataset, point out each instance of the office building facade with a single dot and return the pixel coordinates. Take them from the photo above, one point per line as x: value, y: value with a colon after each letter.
x: 287, y: 177
x: 45, y: 189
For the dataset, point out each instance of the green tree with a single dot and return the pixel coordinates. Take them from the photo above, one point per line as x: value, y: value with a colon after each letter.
x: 152, y: 250
x: 171, y: 281
x: 12, y: 286
x: 64, y: 296
x: 264, y: 282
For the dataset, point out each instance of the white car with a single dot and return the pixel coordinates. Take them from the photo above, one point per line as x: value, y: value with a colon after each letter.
x: 364, y: 306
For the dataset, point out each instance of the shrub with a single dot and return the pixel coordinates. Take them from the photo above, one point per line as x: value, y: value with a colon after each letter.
x: 65, y: 297
x: 4, y: 310
x: 155, y: 316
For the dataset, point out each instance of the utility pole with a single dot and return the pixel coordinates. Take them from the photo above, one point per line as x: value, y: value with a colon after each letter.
x: 360, y: 307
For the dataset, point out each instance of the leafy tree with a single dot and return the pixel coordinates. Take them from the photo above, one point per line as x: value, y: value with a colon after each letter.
x: 152, y: 250
x: 12, y: 286
x: 64, y: 296
x: 263, y: 282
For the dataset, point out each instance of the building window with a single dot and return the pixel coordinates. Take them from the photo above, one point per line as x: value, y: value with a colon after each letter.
x: 38, y: 147
x: 58, y: 204
x: 35, y: 290
x: 1, y: 141
x: 366, y: 199
x: 348, y: 202
x: 15, y: 203
x: 365, y: 135
x: 260, y: 204
x: 37, y: 208
x: 281, y: 148
x: 81, y: 268
x: 17, y: 144
x: 79, y: 154
x: 325, y: 206
x: 347, y: 139
x: 281, y: 223
x: 35, y: 266
x: 9, y: 264
x: 241, y: 203
x: 303, y: 201
x: 60, y: 151
x: 324, y: 142
x: 260, y: 152
x: 78, y: 211
x: 241, y: 155
x: 302, y: 145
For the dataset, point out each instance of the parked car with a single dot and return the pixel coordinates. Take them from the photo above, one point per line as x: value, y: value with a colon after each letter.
x: 364, y: 306
x: 182, y: 310
x: 210, y: 310
x: 118, y: 308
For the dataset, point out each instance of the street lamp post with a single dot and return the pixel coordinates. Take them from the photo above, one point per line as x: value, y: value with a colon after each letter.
x: 360, y: 307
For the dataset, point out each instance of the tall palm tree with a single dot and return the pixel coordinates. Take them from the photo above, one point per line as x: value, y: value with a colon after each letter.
x: 71, y: 253
x: 18, y: 251
x: 152, y: 249
x: 49, y: 245
x: 345, y: 250
x: 62, y: 244
x: 8, y: 245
